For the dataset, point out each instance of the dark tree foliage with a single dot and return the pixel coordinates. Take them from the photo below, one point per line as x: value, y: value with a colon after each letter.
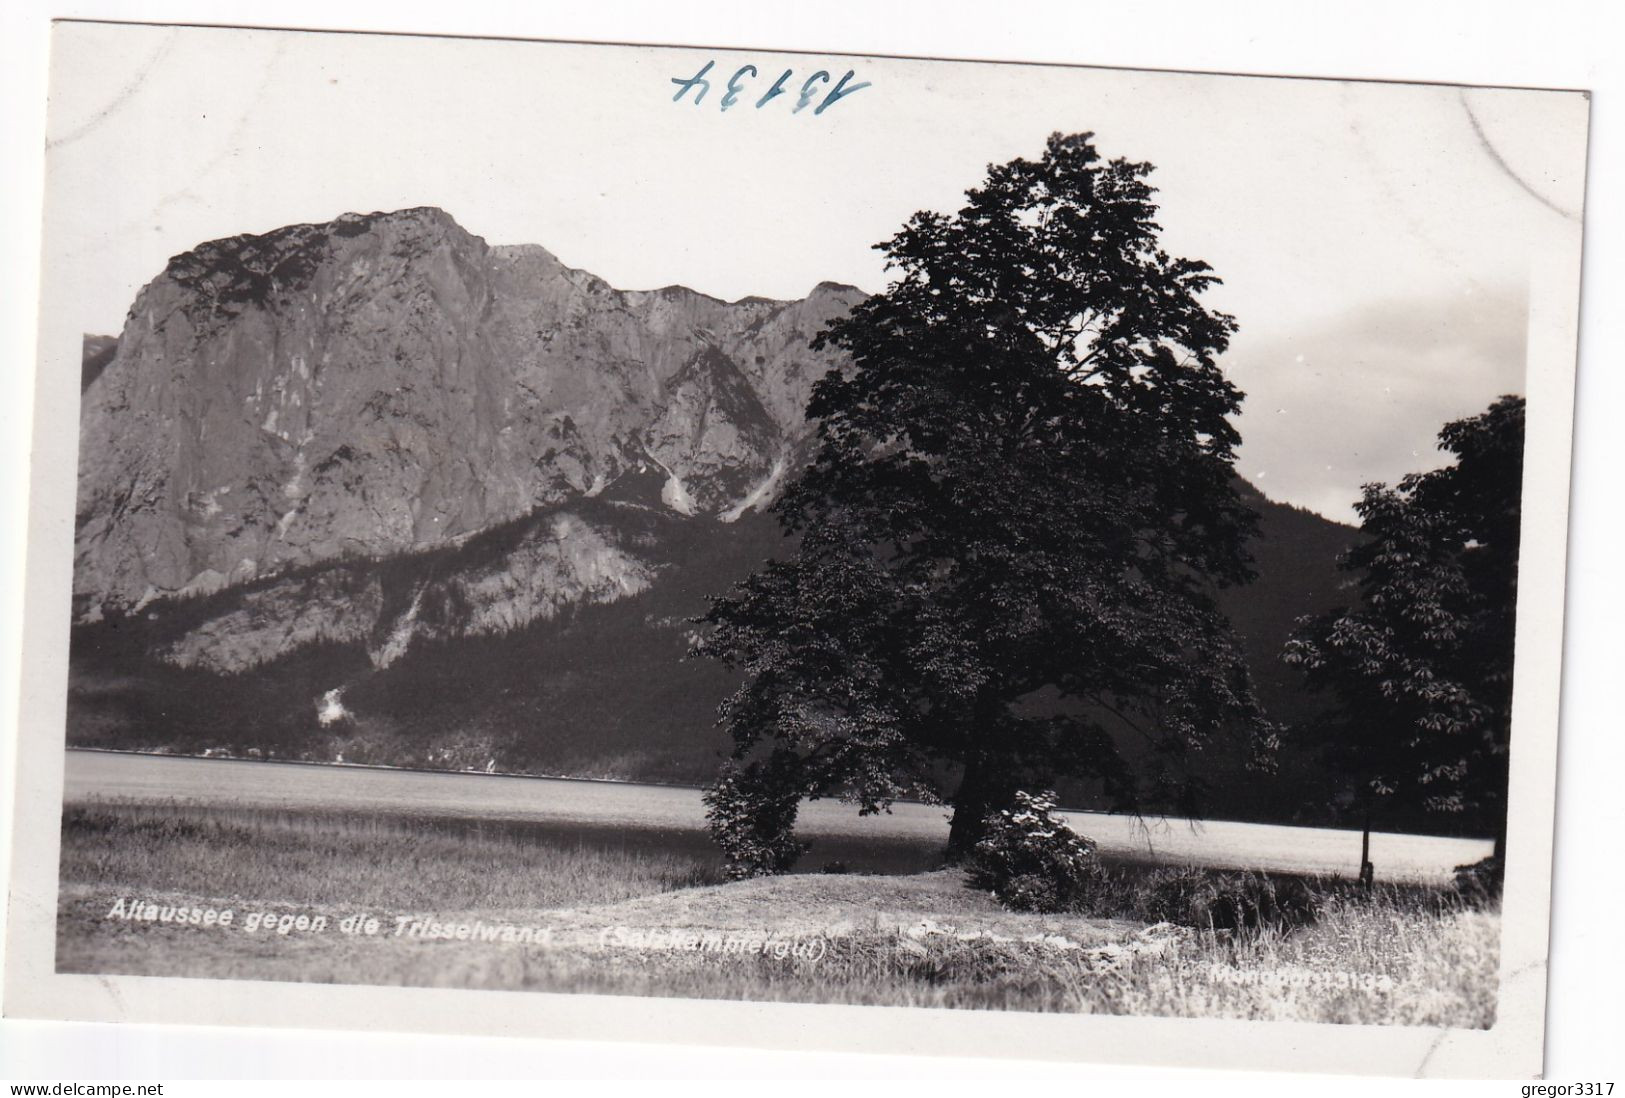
x: 1422, y: 668
x: 1024, y: 487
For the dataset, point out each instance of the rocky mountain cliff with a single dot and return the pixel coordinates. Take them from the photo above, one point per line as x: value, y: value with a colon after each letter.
x: 376, y: 491
x: 389, y: 383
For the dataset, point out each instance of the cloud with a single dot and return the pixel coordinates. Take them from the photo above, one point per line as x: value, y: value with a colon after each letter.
x: 1362, y: 397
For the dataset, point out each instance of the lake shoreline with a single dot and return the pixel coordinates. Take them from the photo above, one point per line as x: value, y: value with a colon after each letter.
x: 641, y: 810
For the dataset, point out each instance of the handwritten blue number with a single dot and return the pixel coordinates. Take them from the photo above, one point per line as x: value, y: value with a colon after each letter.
x: 735, y: 87
x: 697, y: 78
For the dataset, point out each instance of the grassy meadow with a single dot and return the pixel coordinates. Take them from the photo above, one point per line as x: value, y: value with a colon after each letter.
x: 634, y: 918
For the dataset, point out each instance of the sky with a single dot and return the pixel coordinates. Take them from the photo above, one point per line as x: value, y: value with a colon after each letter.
x: 1376, y: 241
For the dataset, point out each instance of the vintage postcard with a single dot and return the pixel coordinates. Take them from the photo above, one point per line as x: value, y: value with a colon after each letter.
x: 689, y: 544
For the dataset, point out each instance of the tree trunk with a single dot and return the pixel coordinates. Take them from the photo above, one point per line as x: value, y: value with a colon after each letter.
x: 1368, y: 872
x: 985, y: 788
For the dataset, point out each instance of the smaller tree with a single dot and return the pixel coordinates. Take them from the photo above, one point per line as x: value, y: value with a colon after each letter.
x: 1422, y: 667
x: 751, y: 812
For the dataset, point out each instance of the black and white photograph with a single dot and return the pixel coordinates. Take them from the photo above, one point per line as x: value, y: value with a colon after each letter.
x: 802, y: 533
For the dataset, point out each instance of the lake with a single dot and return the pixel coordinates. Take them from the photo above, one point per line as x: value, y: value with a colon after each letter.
x: 673, y: 817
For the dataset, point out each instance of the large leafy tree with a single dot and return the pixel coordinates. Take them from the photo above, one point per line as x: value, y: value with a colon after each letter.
x: 1009, y: 536
x: 1421, y: 667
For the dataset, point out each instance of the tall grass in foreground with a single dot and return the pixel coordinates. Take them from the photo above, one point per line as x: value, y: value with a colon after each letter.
x: 1388, y: 956
x: 1392, y: 955
x: 1377, y: 963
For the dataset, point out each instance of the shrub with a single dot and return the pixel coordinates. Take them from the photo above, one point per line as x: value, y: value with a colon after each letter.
x: 1222, y: 901
x: 1031, y: 861
x: 1480, y: 882
x: 751, y: 814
